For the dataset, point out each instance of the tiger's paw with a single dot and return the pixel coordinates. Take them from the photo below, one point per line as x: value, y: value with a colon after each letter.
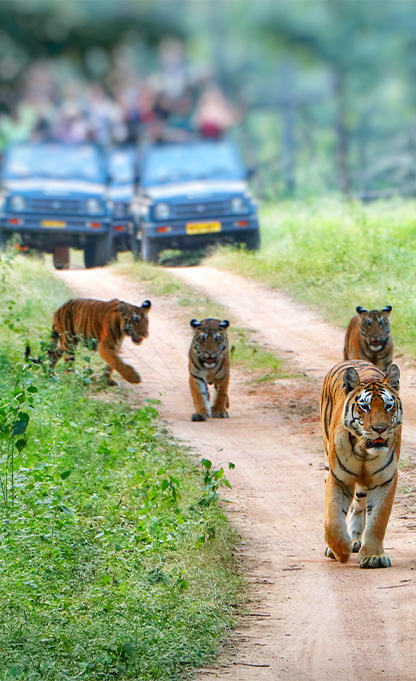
x: 375, y: 561
x: 111, y: 381
x: 199, y: 417
x: 342, y: 557
x: 355, y: 546
x: 219, y: 415
x: 133, y: 377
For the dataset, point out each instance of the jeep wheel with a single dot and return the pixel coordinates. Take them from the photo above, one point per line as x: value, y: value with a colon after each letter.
x: 150, y: 250
x: 252, y: 240
x: 99, y: 251
x: 3, y: 239
x: 61, y: 257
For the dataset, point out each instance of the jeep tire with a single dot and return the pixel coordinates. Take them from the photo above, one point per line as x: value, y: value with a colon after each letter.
x: 98, y: 251
x: 150, y: 249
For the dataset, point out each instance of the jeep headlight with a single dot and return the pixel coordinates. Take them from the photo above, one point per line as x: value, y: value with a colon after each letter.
x: 94, y: 206
x: 239, y: 205
x: 17, y: 203
x: 162, y: 211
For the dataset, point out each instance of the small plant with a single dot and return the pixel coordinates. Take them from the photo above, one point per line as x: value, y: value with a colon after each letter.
x: 14, y: 421
x: 214, y: 478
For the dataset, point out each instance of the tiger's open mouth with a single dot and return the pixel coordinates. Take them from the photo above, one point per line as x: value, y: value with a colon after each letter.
x: 137, y: 339
x: 379, y: 442
x: 377, y: 345
x: 210, y: 361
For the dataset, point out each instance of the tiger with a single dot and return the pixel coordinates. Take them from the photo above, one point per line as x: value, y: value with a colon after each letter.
x: 103, y: 324
x: 361, y: 414
x: 369, y: 337
x: 209, y: 363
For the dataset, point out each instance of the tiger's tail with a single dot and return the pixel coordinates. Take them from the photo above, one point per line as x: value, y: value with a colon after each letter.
x: 51, y: 349
x: 28, y: 358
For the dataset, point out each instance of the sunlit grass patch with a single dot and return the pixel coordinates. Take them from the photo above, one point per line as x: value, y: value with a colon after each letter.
x: 337, y: 255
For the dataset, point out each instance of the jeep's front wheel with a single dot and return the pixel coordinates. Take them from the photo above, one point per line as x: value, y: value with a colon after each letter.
x: 252, y: 240
x: 150, y: 249
x: 61, y: 257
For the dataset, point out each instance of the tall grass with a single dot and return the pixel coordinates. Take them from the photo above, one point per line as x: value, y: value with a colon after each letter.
x: 337, y: 255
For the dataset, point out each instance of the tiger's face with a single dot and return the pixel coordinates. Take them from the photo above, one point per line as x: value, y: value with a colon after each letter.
x: 135, y: 320
x: 210, y: 340
x: 373, y: 411
x: 375, y: 327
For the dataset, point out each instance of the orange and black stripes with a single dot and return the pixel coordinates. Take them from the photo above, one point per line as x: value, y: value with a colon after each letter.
x: 209, y: 364
x: 104, y: 325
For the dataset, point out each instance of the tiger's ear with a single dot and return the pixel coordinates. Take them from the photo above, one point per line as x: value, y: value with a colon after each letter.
x: 123, y: 307
x: 146, y: 305
x: 225, y: 324
x: 360, y: 310
x: 387, y: 309
x: 351, y: 379
x: 393, y: 377
x: 195, y: 323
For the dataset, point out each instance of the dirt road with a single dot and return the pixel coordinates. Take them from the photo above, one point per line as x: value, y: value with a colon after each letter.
x: 309, y: 619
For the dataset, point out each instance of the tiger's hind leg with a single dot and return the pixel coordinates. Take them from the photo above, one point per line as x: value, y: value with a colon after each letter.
x: 56, y: 349
x: 69, y: 347
x: 200, y: 397
x: 357, y: 518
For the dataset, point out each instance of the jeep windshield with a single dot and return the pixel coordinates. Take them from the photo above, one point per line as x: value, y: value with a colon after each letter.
x: 173, y: 163
x: 53, y: 161
x: 121, y: 166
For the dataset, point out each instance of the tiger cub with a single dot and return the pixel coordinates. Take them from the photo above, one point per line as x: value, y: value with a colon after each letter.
x: 209, y: 363
x: 104, y: 324
x: 369, y: 337
x: 361, y: 414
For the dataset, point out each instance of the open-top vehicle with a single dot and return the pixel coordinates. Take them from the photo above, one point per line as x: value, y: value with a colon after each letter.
x: 194, y: 194
x: 55, y: 197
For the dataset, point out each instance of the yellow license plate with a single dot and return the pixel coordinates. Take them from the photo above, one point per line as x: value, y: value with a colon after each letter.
x: 203, y: 227
x: 58, y: 224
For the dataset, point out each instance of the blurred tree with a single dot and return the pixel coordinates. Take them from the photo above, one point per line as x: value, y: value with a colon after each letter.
x: 40, y: 29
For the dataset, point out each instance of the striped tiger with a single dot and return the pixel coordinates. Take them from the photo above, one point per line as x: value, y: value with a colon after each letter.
x: 209, y: 363
x: 104, y: 324
x: 361, y: 414
x: 369, y: 337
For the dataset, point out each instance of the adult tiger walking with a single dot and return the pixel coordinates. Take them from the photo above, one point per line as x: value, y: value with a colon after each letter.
x: 361, y: 414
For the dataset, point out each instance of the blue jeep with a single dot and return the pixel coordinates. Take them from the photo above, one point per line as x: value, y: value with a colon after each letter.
x: 55, y: 197
x: 191, y: 195
x: 122, y: 174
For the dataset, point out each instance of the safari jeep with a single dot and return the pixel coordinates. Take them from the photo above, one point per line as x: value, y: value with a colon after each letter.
x: 55, y: 198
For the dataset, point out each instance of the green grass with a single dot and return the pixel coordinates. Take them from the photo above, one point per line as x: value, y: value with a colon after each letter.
x: 336, y: 255
x: 116, y: 560
x: 246, y: 352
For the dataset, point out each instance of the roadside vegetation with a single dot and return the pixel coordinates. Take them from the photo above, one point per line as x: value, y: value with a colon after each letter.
x: 337, y: 255
x: 116, y: 559
x: 261, y: 363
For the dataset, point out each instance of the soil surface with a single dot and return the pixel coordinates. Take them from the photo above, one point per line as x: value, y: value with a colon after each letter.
x: 308, y: 618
